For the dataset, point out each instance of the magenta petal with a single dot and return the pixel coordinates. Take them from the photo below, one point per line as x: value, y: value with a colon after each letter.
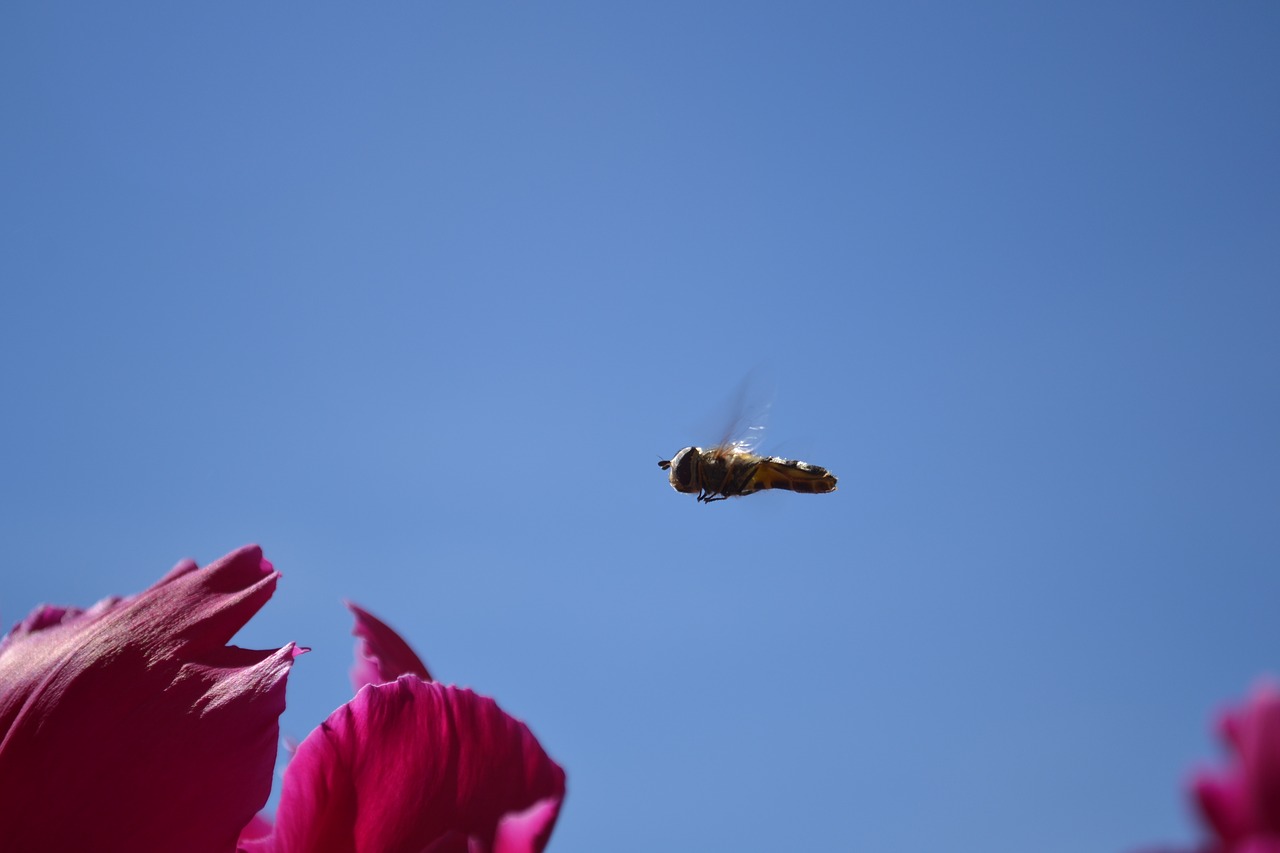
x: 413, y: 765
x: 1259, y: 738
x: 527, y: 831
x: 1241, y: 802
x: 258, y: 827
x: 381, y: 654
x: 1224, y: 805
x: 454, y: 842
x: 1260, y: 844
x: 132, y: 725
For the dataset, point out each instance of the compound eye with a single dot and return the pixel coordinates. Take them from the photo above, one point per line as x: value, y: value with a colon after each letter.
x: 682, y: 470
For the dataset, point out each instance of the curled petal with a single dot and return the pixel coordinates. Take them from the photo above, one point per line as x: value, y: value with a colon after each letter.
x: 413, y: 765
x: 132, y: 726
x: 381, y: 655
x: 527, y: 831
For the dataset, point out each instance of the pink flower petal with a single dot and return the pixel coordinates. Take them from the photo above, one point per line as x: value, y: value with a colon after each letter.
x: 1224, y: 805
x: 1260, y: 844
x: 132, y: 726
x: 381, y: 655
x: 413, y: 765
x: 1240, y: 803
x: 527, y: 831
x: 1260, y: 759
x: 259, y: 827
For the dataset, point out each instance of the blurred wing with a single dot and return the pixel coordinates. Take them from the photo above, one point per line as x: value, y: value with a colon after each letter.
x: 746, y: 413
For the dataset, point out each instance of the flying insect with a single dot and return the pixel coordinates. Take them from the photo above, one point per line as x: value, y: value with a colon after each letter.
x: 727, y: 472
x: 731, y: 469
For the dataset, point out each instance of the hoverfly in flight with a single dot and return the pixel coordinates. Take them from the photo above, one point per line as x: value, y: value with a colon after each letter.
x: 730, y: 470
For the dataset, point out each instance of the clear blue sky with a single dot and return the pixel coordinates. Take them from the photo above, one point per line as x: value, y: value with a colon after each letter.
x: 416, y: 295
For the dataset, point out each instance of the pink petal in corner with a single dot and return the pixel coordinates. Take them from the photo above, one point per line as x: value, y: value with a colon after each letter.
x: 132, y: 725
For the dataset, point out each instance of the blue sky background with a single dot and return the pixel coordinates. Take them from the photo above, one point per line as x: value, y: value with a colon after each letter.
x: 415, y: 296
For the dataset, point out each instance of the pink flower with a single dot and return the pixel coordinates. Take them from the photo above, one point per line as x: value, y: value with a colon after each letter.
x: 132, y: 725
x: 1241, y: 803
x: 412, y: 765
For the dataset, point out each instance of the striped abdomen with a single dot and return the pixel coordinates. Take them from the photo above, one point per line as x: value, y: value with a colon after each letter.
x: 776, y: 473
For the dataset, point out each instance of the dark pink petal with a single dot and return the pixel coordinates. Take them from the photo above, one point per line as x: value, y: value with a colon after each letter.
x: 527, y: 831
x: 259, y: 827
x: 132, y: 725
x: 47, y: 616
x: 1230, y: 722
x: 1259, y: 844
x: 1224, y: 804
x: 381, y: 655
x: 413, y: 765
x: 1260, y: 759
x: 455, y: 842
x: 1241, y: 802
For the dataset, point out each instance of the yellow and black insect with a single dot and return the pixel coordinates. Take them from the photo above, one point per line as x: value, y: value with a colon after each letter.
x: 731, y: 468
x: 729, y: 471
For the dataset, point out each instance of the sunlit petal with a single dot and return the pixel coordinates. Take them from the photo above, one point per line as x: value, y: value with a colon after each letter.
x: 132, y: 726
x: 413, y: 765
x: 527, y: 831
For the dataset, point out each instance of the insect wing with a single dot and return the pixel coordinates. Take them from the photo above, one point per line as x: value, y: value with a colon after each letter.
x: 745, y: 416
